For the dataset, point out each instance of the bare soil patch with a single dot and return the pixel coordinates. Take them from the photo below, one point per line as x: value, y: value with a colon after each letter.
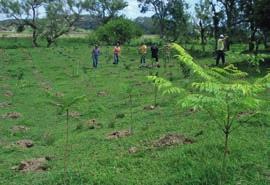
x: 74, y: 114
x: 32, y: 165
x: 25, y: 143
x: 119, y: 134
x: 59, y: 94
x: 8, y: 94
x: 11, y: 115
x: 102, y: 93
x: 93, y: 124
x: 133, y: 150
x: 172, y: 139
x: 150, y: 107
x: 19, y: 129
x: 245, y: 114
x: 5, y: 104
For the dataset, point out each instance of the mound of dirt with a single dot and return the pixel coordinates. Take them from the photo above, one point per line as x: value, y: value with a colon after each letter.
x: 19, y: 128
x: 59, y: 94
x: 11, y: 115
x: 172, y: 139
x: 102, y: 93
x: 25, y: 143
x: 245, y: 114
x: 133, y: 150
x: 150, y: 107
x: 74, y: 114
x: 8, y: 94
x: 93, y: 124
x: 119, y: 134
x: 32, y: 165
x: 4, y: 104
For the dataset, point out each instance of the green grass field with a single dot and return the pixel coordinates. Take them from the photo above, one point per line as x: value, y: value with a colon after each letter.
x: 29, y: 77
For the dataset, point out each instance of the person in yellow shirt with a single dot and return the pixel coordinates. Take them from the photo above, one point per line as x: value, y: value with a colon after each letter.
x: 143, y: 52
x: 221, y: 50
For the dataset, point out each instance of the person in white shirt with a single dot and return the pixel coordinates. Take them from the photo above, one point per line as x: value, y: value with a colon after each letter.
x: 221, y: 50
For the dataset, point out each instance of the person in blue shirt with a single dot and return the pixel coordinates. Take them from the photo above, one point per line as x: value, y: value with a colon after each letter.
x: 95, y: 55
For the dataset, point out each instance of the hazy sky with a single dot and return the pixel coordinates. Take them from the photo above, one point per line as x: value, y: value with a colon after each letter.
x: 133, y: 11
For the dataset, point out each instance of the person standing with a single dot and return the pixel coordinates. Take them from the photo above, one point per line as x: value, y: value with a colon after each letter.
x: 143, y: 52
x: 221, y: 50
x: 154, y: 52
x: 116, y: 51
x: 95, y: 55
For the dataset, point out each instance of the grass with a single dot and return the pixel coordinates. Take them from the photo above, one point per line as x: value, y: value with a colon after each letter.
x: 30, y: 72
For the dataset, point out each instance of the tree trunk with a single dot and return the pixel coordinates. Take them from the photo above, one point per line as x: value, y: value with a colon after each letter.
x: 265, y: 39
x: 49, y: 43
x: 216, y: 22
x: 34, y: 38
x: 226, y: 151
x: 202, y: 30
x: 252, y: 42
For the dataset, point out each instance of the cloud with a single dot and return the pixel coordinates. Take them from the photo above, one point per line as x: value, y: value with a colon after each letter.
x: 132, y: 11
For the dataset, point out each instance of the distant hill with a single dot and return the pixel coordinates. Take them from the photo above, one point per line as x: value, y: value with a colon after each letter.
x: 86, y: 22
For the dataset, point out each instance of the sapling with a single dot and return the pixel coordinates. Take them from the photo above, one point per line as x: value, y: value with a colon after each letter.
x: 155, y: 83
x: 222, y: 93
x: 255, y: 60
x: 129, y: 91
x: 65, y: 104
x: 166, y: 55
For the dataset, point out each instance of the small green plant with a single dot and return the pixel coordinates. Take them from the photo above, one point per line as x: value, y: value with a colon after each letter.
x: 255, y: 61
x: 65, y: 104
x: 130, y: 91
x: 221, y: 93
x: 48, y: 138
x: 155, y: 82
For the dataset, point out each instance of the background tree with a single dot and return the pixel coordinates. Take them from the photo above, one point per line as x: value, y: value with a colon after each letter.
x: 60, y: 19
x: 170, y: 16
x: 147, y: 25
x: 104, y: 10
x: 247, y: 8
x: 122, y: 30
x: 25, y: 12
x: 177, y: 19
x: 231, y: 11
x: 216, y: 17
x: 262, y: 17
x: 159, y: 7
x: 203, y: 14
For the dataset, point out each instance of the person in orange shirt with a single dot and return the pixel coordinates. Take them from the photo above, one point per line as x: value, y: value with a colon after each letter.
x: 143, y: 52
x: 116, y: 51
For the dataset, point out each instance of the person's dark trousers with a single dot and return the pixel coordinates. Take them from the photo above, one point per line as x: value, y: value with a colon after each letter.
x: 116, y: 59
x: 156, y: 57
x: 143, y: 59
x: 220, y: 55
x: 95, y: 61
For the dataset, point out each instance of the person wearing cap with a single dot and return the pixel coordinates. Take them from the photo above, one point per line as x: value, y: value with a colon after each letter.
x: 221, y: 50
x: 95, y: 55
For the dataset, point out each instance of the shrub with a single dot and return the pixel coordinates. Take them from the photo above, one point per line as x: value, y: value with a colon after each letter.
x: 122, y: 30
